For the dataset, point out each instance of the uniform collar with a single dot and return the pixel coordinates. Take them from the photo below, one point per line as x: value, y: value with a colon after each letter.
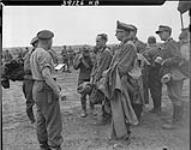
x: 102, y: 49
x: 135, y: 39
x: 169, y: 39
x: 123, y: 42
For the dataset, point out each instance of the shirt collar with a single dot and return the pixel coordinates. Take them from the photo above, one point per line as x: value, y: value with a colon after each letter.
x: 169, y: 39
x: 102, y: 49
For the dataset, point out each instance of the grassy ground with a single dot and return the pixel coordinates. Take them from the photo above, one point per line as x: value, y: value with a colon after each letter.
x: 87, y: 134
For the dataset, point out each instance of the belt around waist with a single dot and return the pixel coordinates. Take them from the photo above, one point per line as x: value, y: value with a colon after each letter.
x: 39, y: 80
x: 42, y: 80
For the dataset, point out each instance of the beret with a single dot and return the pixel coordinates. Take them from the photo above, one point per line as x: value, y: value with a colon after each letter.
x: 45, y: 34
x: 34, y: 40
x: 164, y: 28
x: 124, y: 27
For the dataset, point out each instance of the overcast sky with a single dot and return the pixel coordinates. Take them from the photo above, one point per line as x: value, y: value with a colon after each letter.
x: 80, y: 25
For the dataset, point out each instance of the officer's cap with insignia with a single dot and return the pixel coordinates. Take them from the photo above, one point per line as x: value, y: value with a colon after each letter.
x: 164, y: 28
x: 34, y: 40
x: 45, y: 35
x: 124, y: 27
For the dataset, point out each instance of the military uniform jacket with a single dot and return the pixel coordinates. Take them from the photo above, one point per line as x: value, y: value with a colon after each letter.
x: 171, y: 56
x: 141, y: 47
x: 85, y: 71
x: 152, y: 53
x: 103, y: 60
x: 27, y: 67
x: 39, y: 60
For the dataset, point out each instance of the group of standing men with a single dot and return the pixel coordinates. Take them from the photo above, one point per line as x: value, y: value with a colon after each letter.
x: 123, y: 80
x: 119, y: 81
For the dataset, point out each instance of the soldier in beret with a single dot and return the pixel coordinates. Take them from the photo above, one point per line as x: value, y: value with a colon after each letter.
x: 46, y: 93
x: 170, y: 57
x: 117, y: 86
x: 28, y: 81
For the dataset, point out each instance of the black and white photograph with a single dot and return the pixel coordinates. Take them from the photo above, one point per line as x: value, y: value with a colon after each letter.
x: 96, y: 77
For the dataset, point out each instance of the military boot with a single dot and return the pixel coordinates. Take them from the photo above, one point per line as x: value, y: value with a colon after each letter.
x: 177, y: 117
x: 84, y: 113
x: 83, y: 104
x: 178, y: 114
x: 44, y: 146
x: 92, y: 110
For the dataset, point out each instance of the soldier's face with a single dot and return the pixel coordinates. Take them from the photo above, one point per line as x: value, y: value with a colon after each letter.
x: 122, y: 35
x: 119, y: 35
x: 35, y: 44
x: 100, y: 42
x: 133, y: 34
x: 86, y: 54
x: 164, y: 35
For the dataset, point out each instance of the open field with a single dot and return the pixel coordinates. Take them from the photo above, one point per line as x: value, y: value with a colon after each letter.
x: 86, y: 134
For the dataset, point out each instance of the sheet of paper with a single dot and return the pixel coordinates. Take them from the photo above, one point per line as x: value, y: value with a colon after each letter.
x: 59, y: 66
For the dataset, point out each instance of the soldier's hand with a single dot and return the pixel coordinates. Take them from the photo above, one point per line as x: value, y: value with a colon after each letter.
x: 158, y: 60
x: 58, y: 91
x: 80, y: 57
x: 166, y: 78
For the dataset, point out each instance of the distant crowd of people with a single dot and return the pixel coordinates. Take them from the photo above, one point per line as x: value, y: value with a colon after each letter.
x: 119, y: 79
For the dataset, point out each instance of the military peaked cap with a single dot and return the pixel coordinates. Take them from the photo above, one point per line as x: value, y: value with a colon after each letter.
x: 124, y: 27
x: 134, y: 27
x: 164, y: 28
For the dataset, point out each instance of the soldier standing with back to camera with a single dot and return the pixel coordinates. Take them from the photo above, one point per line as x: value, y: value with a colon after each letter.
x: 28, y: 81
x: 172, y: 77
x: 46, y: 93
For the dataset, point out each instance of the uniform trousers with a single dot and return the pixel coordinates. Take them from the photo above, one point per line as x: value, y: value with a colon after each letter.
x: 49, y: 124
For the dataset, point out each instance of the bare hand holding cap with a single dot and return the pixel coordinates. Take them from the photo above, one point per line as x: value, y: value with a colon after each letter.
x: 159, y: 60
x: 166, y: 78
